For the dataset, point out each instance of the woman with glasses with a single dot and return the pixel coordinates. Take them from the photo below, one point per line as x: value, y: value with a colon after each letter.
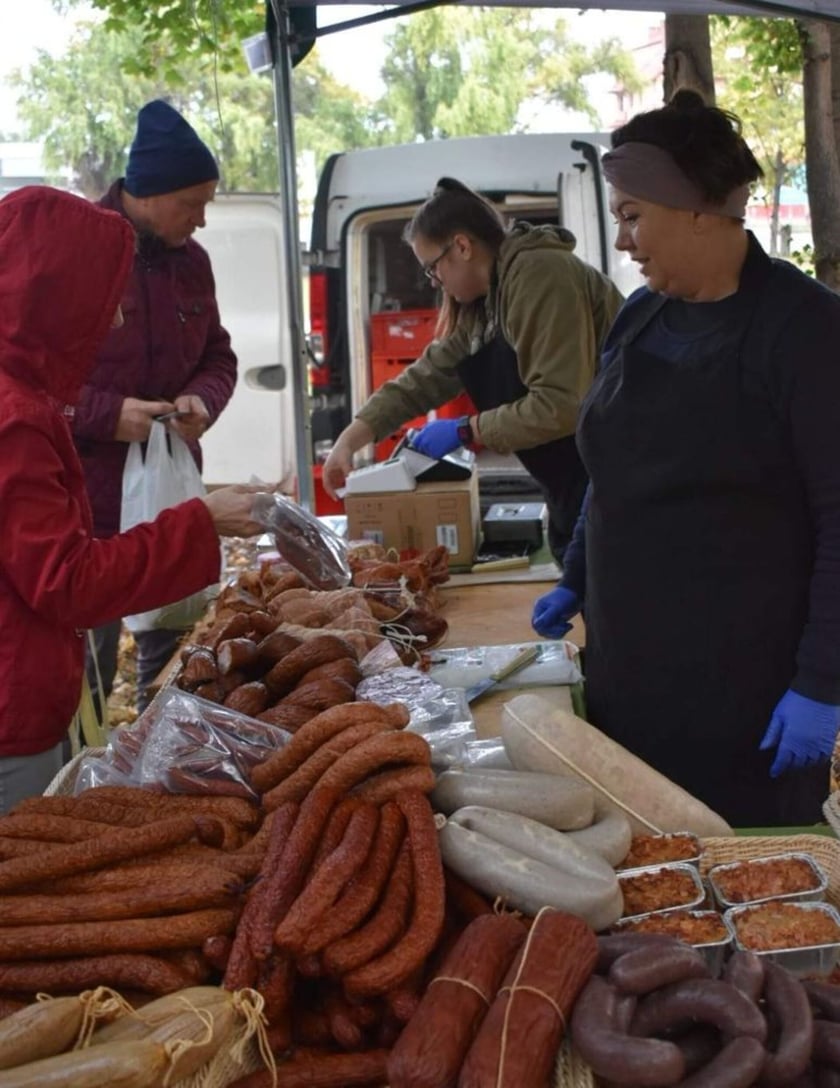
x: 521, y: 324
x: 708, y: 560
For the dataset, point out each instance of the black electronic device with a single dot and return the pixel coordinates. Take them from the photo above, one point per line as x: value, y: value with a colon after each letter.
x: 457, y: 465
x: 514, y: 523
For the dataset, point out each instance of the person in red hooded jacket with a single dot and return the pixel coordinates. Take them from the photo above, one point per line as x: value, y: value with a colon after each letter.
x: 64, y: 265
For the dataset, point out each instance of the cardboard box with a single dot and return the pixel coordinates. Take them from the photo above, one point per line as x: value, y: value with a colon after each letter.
x: 416, y: 521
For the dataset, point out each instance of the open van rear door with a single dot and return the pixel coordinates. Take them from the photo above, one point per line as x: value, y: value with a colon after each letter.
x: 254, y: 435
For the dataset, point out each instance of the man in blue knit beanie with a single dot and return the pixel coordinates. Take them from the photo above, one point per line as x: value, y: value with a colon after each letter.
x: 167, y: 154
x: 172, y: 352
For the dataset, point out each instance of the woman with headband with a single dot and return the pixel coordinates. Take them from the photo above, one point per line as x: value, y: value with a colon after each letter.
x: 707, y: 558
x: 521, y: 323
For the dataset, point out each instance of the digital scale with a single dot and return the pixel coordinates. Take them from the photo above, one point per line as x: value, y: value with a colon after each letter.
x: 406, y: 468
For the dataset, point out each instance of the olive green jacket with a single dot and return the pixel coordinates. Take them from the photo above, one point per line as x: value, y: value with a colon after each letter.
x: 552, y: 308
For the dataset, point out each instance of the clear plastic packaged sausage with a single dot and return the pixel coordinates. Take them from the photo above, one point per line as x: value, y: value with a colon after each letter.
x: 185, y: 744
x: 318, y: 554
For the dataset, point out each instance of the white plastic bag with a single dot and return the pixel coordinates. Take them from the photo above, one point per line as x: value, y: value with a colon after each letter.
x: 167, y: 476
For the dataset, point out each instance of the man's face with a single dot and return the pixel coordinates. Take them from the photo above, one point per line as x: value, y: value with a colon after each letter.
x: 175, y: 217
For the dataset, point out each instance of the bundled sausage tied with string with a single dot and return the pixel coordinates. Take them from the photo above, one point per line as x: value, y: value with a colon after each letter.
x: 518, y: 1039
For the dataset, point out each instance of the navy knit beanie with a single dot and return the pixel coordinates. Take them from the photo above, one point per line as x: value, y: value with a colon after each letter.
x: 167, y: 154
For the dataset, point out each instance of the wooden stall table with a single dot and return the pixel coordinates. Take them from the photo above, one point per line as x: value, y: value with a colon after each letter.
x: 480, y: 612
x: 494, y: 615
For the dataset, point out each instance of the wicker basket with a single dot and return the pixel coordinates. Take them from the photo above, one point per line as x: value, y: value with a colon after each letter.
x: 831, y: 811
x: 824, y: 850
x: 64, y: 782
x: 571, y: 1071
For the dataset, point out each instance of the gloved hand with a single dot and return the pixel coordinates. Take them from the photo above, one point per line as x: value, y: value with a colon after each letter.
x: 553, y: 611
x: 438, y: 438
x: 803, y: 729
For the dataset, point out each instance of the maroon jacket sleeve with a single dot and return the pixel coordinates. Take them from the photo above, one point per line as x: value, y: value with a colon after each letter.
x: 63, y: 573
x: 97, y: 413
x: 215, y: 376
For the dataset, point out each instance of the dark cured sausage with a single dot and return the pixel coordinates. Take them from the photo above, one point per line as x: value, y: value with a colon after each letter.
x: 334, y: 831
x: 788, y: 1001
x: 736, y: 1066
x: 241, y: 963
x: 358, y: 899
x: 825, y: 997
x: 638, y: 972
x: 164, y: 896
x: 611, y: 1052
x: 373, y: 754
x: 129, y: 971
x: 385, y: 786
x: 613, y: 945
x: 826, y: 1043
x: 383, y: 928
x: 283, y: 676
x: 115, y: 844
x: 283, y: 885
x: 518, y: 1040
x: 126, y: 935
x: 745, y: 971
x: 310, y: 773
x: 237, y: 810
x: 704, y: 1000
x: 319, y: 895
x: 430, y: 1051
x: 426, y: 925
x: 319, y: 729
x: 322, y: 1071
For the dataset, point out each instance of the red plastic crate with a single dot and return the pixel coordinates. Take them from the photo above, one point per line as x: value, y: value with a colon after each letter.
x: 383, y: 368
x: 385, y: 447
x: 402, y: 334
x: 461, y: 405
x: 324, y: 503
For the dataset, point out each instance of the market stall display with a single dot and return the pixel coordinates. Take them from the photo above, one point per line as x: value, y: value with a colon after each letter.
x: 393, y: 917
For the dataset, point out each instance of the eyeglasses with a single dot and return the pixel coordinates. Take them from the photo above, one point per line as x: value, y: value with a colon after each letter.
x: 430, y: 269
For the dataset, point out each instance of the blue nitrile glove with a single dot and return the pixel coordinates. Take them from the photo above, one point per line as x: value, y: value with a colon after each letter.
x: 553, y: 611
x: 438, y: 438
x: 804, y: 730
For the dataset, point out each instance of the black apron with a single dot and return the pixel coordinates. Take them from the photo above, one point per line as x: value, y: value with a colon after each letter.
x: 699, y: 552
x: 491, y: 377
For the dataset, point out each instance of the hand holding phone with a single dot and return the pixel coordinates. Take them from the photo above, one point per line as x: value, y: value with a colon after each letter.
x: 169, y: 415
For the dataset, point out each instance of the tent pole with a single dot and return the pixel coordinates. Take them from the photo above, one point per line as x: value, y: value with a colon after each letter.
x: 282, y: 71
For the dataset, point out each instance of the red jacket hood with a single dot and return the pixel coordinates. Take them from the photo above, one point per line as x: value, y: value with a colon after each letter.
x: 64, y: 264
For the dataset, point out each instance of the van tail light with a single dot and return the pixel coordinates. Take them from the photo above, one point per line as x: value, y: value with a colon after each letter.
x: 319, y: 374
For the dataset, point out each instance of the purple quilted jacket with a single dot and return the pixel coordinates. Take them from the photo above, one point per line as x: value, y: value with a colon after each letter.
x: 172, y: 343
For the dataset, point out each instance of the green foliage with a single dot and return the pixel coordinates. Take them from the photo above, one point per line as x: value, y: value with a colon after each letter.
x: 84, y: 107
x: 773, y: 43
x: 455, y: 71
x: 758, y: 81
x: 450, y: 71
x: 804, y: 259
x: 193, y: 29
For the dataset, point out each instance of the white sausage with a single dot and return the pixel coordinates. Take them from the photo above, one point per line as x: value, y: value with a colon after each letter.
x: 610, y: 834
x: 541, y: 737
x: 528, y: 884
x: 561, y: 801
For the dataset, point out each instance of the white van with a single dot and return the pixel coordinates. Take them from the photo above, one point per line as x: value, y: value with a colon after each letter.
x: 254, y: 435
x: 371, y: 309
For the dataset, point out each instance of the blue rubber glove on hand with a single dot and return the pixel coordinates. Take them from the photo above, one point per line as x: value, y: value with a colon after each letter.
x: 553, y: 611
x: 803, y: 729
x: 438, y: 438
